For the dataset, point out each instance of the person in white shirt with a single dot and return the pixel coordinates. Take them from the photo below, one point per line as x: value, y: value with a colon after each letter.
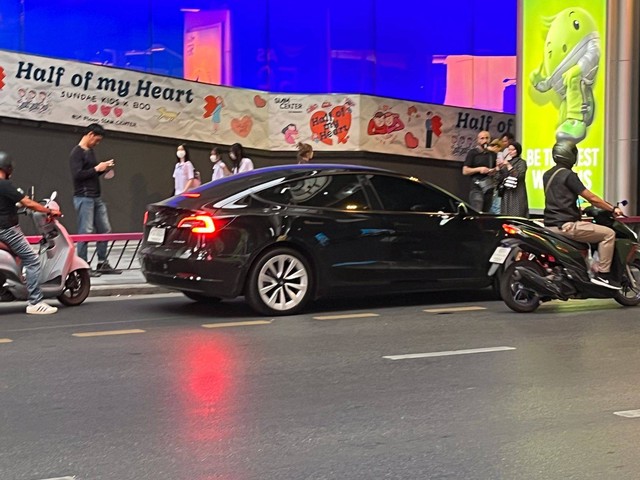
x: 183, y: 172
x: 220, y: 169
x: 239, y: 163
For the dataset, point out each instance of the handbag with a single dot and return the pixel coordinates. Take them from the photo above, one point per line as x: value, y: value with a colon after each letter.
x: 510, y: 182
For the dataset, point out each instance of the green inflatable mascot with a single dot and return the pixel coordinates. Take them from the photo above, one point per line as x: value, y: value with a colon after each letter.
x: 569, y: 67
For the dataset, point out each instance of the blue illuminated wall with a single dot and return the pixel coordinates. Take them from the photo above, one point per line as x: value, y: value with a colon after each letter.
x: 377, y: 47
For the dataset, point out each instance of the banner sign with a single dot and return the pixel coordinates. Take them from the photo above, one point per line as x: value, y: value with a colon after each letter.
x: 73, y: 93
x: 424, y: 130
x: 562, y: 88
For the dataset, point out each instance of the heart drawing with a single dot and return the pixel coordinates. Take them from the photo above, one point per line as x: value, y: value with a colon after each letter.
x: 327, y: 125
x: 242, y: 126
x: 117, y: 111
x: 105, y: 110
x: 93, y: 108
x: 410, y: 140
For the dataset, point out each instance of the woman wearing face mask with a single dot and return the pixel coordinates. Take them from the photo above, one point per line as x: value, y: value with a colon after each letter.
x: 220, y: 168
x: 239, y: 163
x: 183, y: 173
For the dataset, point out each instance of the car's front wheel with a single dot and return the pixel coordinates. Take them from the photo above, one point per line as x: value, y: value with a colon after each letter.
x: 279, y: 283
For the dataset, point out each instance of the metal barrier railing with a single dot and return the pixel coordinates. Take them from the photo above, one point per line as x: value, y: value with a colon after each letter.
x: 124, y: 246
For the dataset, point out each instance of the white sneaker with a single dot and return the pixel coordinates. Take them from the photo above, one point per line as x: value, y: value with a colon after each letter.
x: 41, y: 309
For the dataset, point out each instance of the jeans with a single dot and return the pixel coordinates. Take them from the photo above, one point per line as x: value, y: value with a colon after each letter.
x: 14, y: 238
x: 92, y: 218
x: 480, y: 201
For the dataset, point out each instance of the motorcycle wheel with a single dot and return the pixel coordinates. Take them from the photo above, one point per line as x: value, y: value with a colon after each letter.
x: 514, y: 294
x: 629, y: 296
x: 76, y: 288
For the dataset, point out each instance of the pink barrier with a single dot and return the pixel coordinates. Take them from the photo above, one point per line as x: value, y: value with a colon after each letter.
x: 97, y: 237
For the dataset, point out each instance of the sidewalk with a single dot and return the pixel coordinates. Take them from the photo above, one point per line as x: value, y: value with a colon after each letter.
x: 129, y: 282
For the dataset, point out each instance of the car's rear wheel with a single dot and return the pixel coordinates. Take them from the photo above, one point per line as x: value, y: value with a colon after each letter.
x: 514, y: 294
x: 629, y: 295
x: 199, y: 297
x: 280, y: 282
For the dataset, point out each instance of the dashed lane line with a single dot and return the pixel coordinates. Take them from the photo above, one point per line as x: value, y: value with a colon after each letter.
x: 107, y: 333
x: 237, y: 324
x: 454, y: 309
x: 448, y: 353
x: 5, y: 340
x: 344, y: 317
x: 628, y: 413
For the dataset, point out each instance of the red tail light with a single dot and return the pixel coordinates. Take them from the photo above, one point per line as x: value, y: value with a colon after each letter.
x: 511, y: 229
x: 198, y: 224
x: 145, y: 218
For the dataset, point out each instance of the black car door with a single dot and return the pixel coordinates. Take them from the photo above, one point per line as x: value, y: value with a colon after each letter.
x: 331, y: 216
x: 432, y: 244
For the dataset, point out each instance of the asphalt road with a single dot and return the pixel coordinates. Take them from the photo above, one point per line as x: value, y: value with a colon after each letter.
x: 178, y: 390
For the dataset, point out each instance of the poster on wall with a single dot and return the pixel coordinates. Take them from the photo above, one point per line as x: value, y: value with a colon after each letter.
x: 425, y: 130
x: 326, y: 122
x: 563, y: 88
x: 73, y: 93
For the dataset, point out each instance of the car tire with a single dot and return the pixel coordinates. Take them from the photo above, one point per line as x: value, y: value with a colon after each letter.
x: 280, y: 282
x: 200, y: 298
x: 514, y: 295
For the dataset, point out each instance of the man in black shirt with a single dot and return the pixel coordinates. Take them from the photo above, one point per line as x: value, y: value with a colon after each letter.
x: 12, y: 236
x: 562, y: 214
x: 480, y: 164
x: 91, y: 210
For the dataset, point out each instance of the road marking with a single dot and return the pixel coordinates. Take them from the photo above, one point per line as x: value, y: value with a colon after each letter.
x: 61, y: 478
x: 454, y: 309
x: 342, y: 317
x: 76, y: 325
x: 628, y: 413
x: 448, y: 353
x: 107, y: 332
x: 237, y: 324
x: 5, y: 340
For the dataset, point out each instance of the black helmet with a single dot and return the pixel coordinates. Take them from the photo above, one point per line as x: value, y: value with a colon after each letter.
x: 6, y: 164
x: 565, y: 153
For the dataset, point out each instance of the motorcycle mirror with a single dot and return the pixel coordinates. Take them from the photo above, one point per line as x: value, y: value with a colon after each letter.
x: 53, y: 196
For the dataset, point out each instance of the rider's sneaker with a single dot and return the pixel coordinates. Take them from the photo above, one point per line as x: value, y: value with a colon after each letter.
x: 41, y: 309
x: 606, y: 280
x: 105, y: 269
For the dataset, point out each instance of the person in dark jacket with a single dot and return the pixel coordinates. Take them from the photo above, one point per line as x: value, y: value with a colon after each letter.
x: 511, y: 178
x: 91, y: 210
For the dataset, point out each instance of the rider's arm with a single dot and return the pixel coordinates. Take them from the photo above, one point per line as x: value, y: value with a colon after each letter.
x: 595, y: 200
x: 27, y: 202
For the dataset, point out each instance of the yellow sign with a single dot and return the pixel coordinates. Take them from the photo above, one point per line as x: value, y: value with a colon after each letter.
x: 563, y: 88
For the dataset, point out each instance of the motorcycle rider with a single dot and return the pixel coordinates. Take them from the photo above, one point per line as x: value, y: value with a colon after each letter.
x: 12, y: 236
x: 562, y: 186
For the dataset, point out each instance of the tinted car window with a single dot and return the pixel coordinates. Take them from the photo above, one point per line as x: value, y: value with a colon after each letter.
x: 343, y: 192
x: 401, y: 195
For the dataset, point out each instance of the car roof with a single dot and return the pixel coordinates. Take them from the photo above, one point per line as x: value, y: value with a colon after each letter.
x: 227, y: 186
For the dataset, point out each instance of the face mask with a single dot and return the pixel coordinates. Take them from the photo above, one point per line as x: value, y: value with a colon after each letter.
x: 213, y: 158
x: 181, y: 153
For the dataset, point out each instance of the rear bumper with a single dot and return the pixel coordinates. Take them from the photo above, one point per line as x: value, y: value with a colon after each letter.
x: 218, y: 278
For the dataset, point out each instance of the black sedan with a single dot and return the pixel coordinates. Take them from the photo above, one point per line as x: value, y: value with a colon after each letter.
x: 282, y: 236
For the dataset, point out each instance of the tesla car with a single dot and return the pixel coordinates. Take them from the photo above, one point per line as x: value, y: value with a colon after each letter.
x: 283, y: 236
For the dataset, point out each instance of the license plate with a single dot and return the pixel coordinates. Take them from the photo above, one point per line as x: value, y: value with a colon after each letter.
x: 500, y: 255
x: 156, y: 235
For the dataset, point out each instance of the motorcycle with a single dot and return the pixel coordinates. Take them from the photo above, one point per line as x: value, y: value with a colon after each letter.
x: 64, y: 275
x: 535, y: 265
